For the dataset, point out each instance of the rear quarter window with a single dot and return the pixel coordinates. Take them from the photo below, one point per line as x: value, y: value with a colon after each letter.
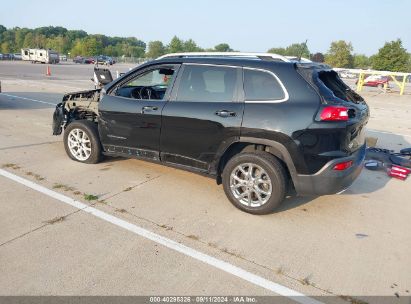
x: 262, y: 86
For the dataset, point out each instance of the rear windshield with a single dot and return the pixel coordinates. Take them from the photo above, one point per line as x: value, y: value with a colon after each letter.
x: 328, y: 84
x: 338, y: 88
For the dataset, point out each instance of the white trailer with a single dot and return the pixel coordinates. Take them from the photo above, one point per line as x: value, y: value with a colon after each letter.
x: 40, y: 55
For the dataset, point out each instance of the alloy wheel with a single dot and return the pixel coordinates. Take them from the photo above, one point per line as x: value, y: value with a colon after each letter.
x: 250, y: 185
x: 79, y: 144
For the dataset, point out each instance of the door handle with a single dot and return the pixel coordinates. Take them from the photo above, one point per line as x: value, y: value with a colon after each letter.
x: 148, y: 109
x: 225, y: 113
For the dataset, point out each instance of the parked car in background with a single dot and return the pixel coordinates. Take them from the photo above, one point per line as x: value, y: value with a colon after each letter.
x: 78, y: 59
x: 346, y: 74
x: 376, y: 81
x: 258, y: 124
x: 17, y: 56
x: 89, y: 60
x: 63, y: 57
x: 107, y: 60
x: 83, y: 60
x: 7, y: 57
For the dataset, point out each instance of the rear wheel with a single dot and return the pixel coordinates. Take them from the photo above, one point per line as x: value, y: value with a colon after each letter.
x: 255, y: 182
x: 82, y: 142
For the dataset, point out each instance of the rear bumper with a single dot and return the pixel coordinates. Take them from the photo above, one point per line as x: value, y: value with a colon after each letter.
x: 329, y: 181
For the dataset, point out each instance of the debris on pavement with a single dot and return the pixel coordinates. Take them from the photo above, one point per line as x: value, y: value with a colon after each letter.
x: 395, y: 164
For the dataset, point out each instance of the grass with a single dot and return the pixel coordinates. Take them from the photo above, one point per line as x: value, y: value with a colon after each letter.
x: 280, y: 270
x: 211, y: 244
x: 11, y: 165
x: 352, y: 300
x: 166, y: 227
x: 56, y: 220
x: 36, y: 176
x: 90, y: 197
x: 306, y: 281
x: 63, y: 186
x: 225, y: 250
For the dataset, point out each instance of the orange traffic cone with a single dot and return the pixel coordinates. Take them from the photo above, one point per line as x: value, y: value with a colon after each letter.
x: 48, y: 72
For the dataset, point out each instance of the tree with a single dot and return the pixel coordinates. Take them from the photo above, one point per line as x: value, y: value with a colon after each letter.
x: 298, y: 50
x: 295, y: 49
x: 176, y: 45
x: 5, y: 47
x: 28, y: 40
x: 190, y: 46
x: 39, y: 41
x: 340, y: 54
x: 278, y: 50
x: 361, y: 61
x: 62, y: 40
x: 392, y: 57
x: 318, y: 57
x: 77, y: 48
x: 92, y: 46
x: 223, y: 47
x: 155, y: 49
x: 2, y: 29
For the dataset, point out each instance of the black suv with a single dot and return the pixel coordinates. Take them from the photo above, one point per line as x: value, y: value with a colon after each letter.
x: 258, y: 124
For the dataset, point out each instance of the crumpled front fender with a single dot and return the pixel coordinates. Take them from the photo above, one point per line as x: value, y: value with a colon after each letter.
x: 59, y: 118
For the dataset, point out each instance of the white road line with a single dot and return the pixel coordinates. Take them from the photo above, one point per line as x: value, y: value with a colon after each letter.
x: 212, y: 261
x: 389, y: 133
x: 30, y: 99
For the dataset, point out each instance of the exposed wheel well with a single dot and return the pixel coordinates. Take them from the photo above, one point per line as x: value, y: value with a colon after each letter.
x: 81, y: 114
x: 241, y: 147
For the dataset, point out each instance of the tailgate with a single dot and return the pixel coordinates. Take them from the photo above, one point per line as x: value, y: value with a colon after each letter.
x: 335, y: 91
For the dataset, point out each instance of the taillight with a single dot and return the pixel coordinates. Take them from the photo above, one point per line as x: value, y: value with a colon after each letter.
x: 343, y: 166
x: 333, y: 113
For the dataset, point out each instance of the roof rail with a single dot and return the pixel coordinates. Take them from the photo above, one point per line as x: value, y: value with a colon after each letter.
x: 262, y: 56
x: 298, y: 59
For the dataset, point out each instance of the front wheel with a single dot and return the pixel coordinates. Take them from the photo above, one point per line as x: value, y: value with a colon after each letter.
x: 82, y: 143
x: 255, y: 182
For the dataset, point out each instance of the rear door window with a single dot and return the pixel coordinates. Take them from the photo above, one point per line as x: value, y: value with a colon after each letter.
x: 202, y: 83
x: 262, y: 86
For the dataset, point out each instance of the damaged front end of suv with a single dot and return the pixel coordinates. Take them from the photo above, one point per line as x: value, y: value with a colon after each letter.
x: 75, y: 106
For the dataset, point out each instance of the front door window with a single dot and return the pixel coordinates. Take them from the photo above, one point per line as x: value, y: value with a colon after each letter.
x: 151, y: 85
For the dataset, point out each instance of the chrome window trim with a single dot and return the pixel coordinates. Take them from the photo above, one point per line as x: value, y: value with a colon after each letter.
x: 213, y: 65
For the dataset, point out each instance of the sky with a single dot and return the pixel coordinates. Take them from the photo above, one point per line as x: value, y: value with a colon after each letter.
x: 252, y: 26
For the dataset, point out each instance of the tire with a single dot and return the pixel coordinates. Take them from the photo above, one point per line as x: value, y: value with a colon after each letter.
x: 274, y: 177
x: 81, y: 136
